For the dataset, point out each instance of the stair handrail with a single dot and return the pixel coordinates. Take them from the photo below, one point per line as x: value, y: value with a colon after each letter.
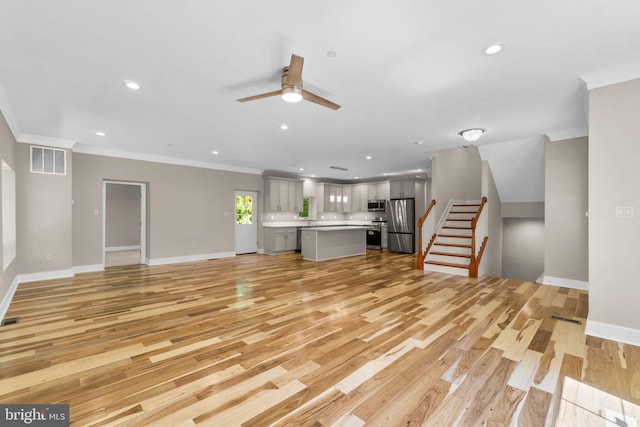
x: 475, y: 260
x: 421, y: 221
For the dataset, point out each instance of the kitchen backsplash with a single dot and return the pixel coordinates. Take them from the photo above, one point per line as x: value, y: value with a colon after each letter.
x: 327, y: 216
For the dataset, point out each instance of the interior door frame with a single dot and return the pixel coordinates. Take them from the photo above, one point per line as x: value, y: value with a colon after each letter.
x: 143, y: 218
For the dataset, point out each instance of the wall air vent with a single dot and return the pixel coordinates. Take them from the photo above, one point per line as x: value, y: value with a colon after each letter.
x: 48, y: 160
x: 338, y: 168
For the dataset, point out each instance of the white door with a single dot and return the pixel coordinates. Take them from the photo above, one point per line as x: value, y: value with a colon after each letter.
x: 246, y: 222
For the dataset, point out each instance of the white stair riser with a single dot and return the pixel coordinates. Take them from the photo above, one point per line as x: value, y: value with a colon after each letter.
x: 447, y: 270
x: 453, y: 240
x: 451, y: 250
x: 457, y: 224
x: 449, y: 259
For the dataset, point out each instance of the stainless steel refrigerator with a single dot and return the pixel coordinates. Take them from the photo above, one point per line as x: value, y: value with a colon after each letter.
x: 401, y: 226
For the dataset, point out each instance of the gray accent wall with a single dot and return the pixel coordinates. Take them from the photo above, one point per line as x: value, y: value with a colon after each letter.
x: 523, y: 248
x: 491, y: 262
x: 191, y: 211
x: 44, y: 217
x: 614, y: 177
x: 566, y: 254
x: 122, y: 216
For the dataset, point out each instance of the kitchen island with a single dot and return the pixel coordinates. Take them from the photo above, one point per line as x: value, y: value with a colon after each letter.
x: 322, y: 243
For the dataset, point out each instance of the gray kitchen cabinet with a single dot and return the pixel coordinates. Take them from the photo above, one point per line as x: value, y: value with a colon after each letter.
x: 378, y: 190
x: 280, y: 239
x: 405, y: 188
x: 359, y: 197
x: 283, y: 195
x: 347, y: 198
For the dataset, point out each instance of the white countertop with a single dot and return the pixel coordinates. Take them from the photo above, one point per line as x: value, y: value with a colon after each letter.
x: 336, y: 228
x: 314, y: 223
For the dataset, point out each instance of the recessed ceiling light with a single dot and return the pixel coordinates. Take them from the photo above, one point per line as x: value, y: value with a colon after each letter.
x: 493, y: 49
x: 284, y: 126
x: 215, y: 152
x: 301, y: 169
x: 331, y: 53
x: 132, y: 85
x: 369, y: 157
x: 471, y: 135
x: 100, y: 133
x: 419, y: 142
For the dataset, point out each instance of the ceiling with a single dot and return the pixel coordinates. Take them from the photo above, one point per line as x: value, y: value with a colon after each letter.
x: 409, y: 76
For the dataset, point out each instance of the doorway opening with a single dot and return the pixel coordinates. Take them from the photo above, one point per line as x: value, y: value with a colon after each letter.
x: 246, y: 222
x: 124, y: 228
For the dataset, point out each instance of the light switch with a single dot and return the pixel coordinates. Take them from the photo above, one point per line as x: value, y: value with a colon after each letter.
x: 624, y: 212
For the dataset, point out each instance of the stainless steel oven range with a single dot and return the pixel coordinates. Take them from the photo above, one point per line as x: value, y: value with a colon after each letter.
x: 374, y: 233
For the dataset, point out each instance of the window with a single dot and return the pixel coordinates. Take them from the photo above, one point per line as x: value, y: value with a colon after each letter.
x: 305, y: 208
x: 244, y: 210
x: 48, y: 160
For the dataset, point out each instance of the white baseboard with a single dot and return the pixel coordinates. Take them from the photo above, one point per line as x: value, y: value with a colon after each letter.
x: 190, y: 258
x: 45, y: 275
x: 121, y: 248
x: 566, y: 283
x: 88, y: 268
x: 613, y: 332
x: 6, y: 300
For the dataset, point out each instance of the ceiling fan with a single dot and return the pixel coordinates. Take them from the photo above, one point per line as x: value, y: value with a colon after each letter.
x: 292, y: 90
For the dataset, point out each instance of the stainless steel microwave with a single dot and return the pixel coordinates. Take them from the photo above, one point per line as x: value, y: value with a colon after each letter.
x: 376, y: 205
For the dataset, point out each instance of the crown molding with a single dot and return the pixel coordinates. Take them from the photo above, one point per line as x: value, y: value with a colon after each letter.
x: 7, y: 112
x: 562, y: 134
x: 86, y: 149
x: 613, y: 75
x: 27, y: 138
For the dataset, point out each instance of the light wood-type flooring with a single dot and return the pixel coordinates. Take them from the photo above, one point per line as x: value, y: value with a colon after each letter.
x: 263, y: 340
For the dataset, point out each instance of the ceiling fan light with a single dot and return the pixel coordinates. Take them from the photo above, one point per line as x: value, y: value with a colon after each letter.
x: 292, y: 94
x: 471, y: 135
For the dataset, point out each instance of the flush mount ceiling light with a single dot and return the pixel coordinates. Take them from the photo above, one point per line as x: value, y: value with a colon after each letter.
x: 471, y: 135
x: 493, y: 49
x: 132, y: 85
x: 292, y: 94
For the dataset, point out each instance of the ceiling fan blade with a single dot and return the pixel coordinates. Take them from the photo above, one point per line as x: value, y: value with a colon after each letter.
x: 294, y: 75
x: 319, y: 100
x: 262, y: 95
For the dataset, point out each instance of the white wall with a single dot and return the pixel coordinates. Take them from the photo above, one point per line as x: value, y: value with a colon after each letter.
x: 523, y: 248
x: 614, y: 243
x: 491, y: 262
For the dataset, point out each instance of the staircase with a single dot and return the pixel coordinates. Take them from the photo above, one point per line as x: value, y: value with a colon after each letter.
x: 452, y: 248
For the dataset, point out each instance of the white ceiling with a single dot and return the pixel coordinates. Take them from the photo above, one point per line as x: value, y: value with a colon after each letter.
x: 403, y: 71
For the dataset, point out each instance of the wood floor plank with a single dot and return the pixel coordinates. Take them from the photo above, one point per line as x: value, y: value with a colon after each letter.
x: 274, y: 340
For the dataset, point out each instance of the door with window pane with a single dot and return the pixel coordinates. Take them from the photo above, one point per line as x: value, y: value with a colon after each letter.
x: 246, y: 222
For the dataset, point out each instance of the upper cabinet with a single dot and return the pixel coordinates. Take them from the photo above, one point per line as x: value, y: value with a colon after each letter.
x: 282, y: 195
x: 349, y: 198
x: 378, y: 190
x: 359, y: 197
x: 335, y: 198
x: 400, y: 189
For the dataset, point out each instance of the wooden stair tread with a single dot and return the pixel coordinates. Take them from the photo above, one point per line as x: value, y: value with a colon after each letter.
x: 449, y: 254
x: 463, y: 212
x: 459, y: 219
x: 466, y: 205
x: 454, y: 235
x: 453, y: 245
x: 448, y: 264
x: 458, y: 228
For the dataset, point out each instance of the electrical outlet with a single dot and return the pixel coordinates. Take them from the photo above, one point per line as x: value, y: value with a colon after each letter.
x: 49, y: 257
